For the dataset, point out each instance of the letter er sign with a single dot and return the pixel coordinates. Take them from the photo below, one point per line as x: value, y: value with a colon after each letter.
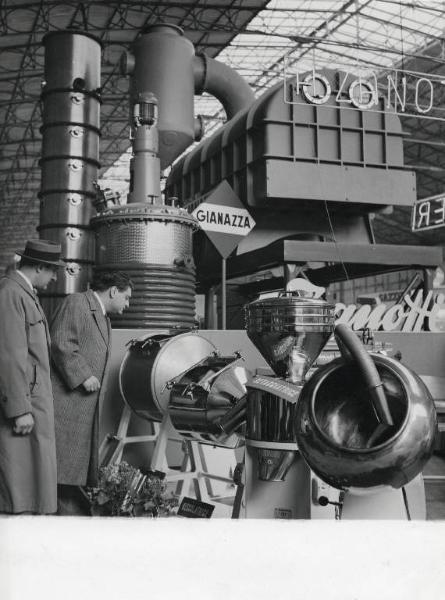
x: 224, y: 218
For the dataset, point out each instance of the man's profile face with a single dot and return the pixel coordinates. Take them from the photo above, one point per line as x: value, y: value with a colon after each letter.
x: 119, y: 300
x: 46, y: 274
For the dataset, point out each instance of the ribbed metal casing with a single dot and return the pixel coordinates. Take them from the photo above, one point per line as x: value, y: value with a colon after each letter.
x: 153, y: 244
x: 70, y: 154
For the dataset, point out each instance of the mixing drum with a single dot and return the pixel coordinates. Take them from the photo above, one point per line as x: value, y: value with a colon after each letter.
x: 337, y: 426
x: 151, y: 362
x: 182, y: 376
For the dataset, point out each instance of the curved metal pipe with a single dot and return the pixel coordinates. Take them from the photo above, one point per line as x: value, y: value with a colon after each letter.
x: 234, y: 418
x: 223, y: 82
x: 348, y: 340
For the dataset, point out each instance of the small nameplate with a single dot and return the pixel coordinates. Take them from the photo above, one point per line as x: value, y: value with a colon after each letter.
x: 283, y: 513
x: 194, y: 509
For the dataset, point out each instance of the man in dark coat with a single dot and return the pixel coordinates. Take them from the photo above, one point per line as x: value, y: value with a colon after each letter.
x: 28, y: 481
x: 81, y: 340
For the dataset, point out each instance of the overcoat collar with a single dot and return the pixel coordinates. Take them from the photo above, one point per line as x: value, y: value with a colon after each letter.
x: 101, y: 319
x: 22, y: 283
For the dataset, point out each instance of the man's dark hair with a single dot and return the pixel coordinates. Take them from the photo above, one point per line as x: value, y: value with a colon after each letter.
x: 103, y: 280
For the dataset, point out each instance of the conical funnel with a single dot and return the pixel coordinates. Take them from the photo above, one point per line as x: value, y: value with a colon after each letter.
x: 290, y: 332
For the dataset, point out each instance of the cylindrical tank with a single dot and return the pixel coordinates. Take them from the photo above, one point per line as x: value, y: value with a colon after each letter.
x: 70, y: 154
x: 163, y: 66
x: 153, y: 244
x: 153, y: 361
x: 336, y: 426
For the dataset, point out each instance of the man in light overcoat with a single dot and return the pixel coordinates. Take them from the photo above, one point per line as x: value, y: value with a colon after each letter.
x: 81, y: 342
x: 28, y: 481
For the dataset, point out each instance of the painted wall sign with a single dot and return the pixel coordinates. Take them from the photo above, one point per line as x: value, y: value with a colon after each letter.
x: 428, y: 213
x: 417, y: 314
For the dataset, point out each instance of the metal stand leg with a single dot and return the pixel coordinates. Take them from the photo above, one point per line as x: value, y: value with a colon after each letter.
x: 193, y: 468
x: 112, y: 447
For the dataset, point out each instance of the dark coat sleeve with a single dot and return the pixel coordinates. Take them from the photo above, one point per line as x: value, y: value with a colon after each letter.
x: 66, y: 331
x: 14, y: 388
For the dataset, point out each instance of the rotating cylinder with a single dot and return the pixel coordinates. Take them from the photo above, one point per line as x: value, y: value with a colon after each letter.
x: 153, y: 244
x: 336, y: 426
x: 182, y: 376
x: 70, y: 154
x: 151, y: 362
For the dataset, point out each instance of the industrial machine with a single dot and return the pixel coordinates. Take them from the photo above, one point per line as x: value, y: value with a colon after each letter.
x: 312, y: 174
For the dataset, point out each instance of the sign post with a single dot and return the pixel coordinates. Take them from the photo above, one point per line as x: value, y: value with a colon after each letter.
x: 226, y: 221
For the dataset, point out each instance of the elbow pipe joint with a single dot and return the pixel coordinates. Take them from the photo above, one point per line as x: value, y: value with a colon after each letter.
x: 351, y: 348
x: 223, y: 82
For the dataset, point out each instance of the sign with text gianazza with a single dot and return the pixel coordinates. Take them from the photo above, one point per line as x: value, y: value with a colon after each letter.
x: 418, y: 313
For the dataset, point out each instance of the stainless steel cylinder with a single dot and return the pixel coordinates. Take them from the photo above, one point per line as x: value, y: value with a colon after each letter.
x: 153, y: 361
x: 74, y: 277
x: 72, y: 60
x: 70, y: 153
x: 66, y: 208
x: 153, y: 244
x: 70, y: 141
x: 77, y: 244
x: 68, y: 174
x: 61, y: 106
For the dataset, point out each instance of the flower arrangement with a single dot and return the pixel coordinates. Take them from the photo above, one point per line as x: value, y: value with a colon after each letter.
x: 124, y: 490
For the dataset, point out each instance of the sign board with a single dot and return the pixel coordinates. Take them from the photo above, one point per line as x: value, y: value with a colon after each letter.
x: 359, y: 86
x: 223, y: 217
x: 418, y: 313
x: 194, y: 509
x: 428, y: 213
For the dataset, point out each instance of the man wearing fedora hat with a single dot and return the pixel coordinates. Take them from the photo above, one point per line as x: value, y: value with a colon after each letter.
x: 28, y: 479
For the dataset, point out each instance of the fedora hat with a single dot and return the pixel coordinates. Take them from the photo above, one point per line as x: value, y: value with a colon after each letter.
x: 43, y: 251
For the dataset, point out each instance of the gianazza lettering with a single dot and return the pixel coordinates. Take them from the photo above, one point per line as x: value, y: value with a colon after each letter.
x: 223, y: 218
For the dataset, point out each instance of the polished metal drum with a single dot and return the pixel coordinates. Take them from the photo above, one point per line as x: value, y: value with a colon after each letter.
x: 340, y: 437
x: 289, y: 331
x: 153, y: 361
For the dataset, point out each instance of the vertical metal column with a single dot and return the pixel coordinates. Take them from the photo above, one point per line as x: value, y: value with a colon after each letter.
x: 70, y: 155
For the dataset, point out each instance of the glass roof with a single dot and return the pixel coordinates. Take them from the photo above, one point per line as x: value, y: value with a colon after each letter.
x: 369, y: 34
